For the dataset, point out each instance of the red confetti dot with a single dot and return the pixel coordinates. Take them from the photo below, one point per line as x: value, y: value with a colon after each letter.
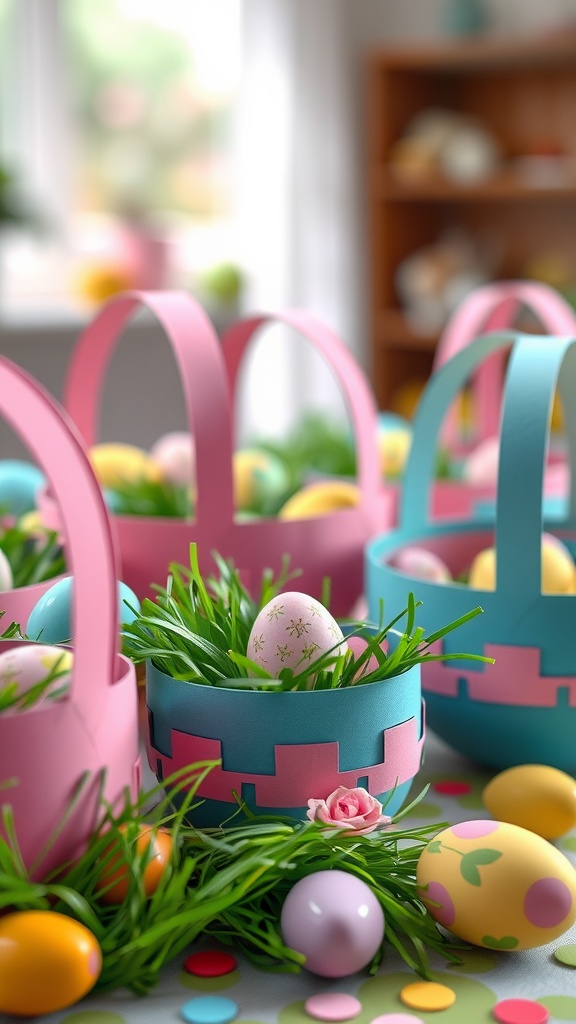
x: 449, y: 788
x: 211, y: 963
x: 520, y: 1011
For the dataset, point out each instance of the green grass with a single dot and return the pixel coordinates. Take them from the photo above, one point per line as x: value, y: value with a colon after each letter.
x: 198, y: 631
x: 152, y: 498
x: 229, y: 884
x: 32, y: 560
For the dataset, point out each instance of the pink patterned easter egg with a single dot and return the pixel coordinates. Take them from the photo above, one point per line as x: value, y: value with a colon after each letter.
x: 27, y: 665
x: 292, y: 631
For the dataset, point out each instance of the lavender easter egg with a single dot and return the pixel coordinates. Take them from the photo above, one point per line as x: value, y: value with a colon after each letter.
x: 335, y: 920
x: 292, y: 631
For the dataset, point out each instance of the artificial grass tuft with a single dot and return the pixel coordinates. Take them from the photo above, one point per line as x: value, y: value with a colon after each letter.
x: 229, y: 884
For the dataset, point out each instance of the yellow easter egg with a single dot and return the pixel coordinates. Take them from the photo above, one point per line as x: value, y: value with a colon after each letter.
x: 533, y: 796
x: 97, y: 282
x: 557, y: 419
x: 117, y: 464
x: 394, y: 448
x: 320, y: 499
x: 405, y: 398
x: 497, y: 885
x: 482, y: 575
x: 47, y: 962
x: 558, y: 570
x: 32, y: 524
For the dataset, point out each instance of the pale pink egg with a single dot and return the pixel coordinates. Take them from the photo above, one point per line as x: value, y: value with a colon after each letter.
x: 421, y: 563
x: 481, y: 466
x: 292, y: 631
x: 174, y: 454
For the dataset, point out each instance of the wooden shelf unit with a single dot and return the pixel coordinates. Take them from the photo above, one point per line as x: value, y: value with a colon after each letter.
x: 524, y: 92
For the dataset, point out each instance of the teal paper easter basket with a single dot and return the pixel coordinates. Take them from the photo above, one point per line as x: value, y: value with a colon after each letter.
x: 278, y: 750
x: 523, y: 707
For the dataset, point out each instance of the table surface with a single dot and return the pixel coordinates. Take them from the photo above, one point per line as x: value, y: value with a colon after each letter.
x: 484, y: 978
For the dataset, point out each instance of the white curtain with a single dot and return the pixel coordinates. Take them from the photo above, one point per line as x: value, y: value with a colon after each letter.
x: 297, y: 196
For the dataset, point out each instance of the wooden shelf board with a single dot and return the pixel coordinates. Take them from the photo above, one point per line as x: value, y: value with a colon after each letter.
x: 505, y: 187
x: 485, y: 53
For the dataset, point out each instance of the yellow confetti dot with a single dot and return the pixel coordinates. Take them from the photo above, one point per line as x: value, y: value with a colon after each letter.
x: 427, y: 995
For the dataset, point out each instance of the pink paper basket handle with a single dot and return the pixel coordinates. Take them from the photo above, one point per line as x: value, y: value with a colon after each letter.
x: 57, y: 447
x: 356, y: 391
x: 198, y: 354
x: 494, y: 307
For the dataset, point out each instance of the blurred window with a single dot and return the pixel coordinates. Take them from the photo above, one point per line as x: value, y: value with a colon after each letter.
x: 117, y: 127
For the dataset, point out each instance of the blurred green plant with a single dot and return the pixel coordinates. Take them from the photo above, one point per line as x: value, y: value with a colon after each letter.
x: 222, y: 283
x: 14, y: 210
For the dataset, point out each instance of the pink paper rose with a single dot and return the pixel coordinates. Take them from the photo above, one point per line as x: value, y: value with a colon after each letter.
x: 352, y: 809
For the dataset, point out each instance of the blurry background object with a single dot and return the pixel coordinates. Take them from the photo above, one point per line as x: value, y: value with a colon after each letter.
x: 162, y: 140
x: 464, y: 17
x: 433, y: 280
x: 124, y: 135
x: 470, y: 140
x: 14, y: 210
x: 446, y: 142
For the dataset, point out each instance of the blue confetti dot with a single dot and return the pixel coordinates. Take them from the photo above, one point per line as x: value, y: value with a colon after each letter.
x: 209, y: 1010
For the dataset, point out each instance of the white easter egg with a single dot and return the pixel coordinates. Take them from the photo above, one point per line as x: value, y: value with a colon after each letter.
x: 175, y: 455
x: 29, y: 664
x: 292, y: 631
x: 6, y: 579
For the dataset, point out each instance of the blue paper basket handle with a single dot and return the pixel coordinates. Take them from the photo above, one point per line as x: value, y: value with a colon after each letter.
x: 537, y: 364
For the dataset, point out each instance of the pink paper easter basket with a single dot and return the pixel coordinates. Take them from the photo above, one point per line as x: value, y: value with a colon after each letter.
x: 329, y: 545
x: 90, y: 735
x: 492, y: 307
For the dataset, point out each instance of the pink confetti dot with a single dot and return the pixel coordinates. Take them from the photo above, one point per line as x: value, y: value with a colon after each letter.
x: 547, y: 903
x: 520, y: 1011
x: 475, y: 829
x: 332, y: 1006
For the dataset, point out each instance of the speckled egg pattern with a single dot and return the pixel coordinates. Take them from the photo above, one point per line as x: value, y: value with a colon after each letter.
x: 498, y: 885
x: 292, y: 631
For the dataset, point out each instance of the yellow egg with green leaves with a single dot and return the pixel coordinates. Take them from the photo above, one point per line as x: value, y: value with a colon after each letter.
x: 497, y: 885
